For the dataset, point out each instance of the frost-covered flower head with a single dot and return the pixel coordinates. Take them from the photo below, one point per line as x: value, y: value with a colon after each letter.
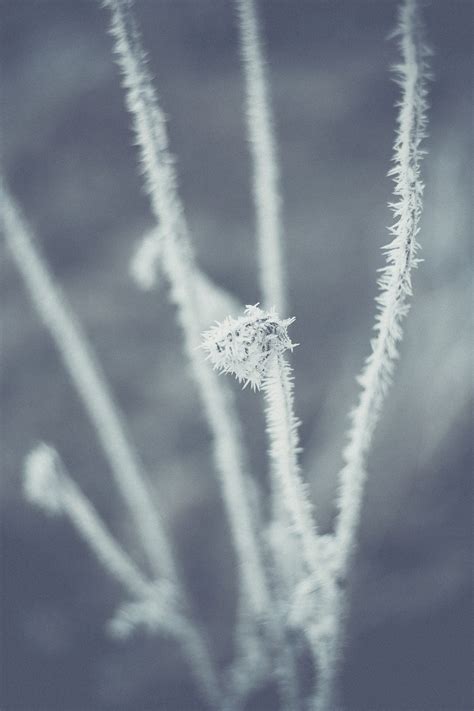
x: 243, y: 346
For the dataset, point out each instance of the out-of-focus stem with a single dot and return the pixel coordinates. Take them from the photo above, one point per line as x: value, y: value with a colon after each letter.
x: 89, y: 381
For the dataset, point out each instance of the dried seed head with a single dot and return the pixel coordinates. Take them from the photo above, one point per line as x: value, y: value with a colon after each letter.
x: 243, y: 346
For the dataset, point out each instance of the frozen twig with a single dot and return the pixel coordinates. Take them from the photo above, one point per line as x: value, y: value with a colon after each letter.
x: 316, y: 596
x: 212, y: 301
x: 89, y: 381
x: 263, y: 150
x: 180, y: 267
x: 269, y: 230
x: 159, y: 606
x: 252, y: 348
x: 395, y: 282
x: 47, y: 485
x: 395, y: 288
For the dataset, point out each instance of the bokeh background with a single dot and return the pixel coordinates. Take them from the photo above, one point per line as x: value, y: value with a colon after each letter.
x: 66, y: 151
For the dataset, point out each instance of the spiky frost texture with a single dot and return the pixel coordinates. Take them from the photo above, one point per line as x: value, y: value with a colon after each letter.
x: 149, y: 124
x: 395, y: 288
x: 252, y: 348
x: 89, y: 381
x: 263, y: 150
x: 91, y: 386
x: 318, y: 609
x: 179, y: 265
x: 267, y: 201
x: 243, y: 346
x: 395, y: 282
x: 258, y: 659
x: 282, y: 428
x: 316, y: 597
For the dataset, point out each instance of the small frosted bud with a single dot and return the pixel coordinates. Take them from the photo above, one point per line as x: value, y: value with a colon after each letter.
x: 243, y: 346
x: 160, y: 610
x: 144, y: 263
x: 41, y: 483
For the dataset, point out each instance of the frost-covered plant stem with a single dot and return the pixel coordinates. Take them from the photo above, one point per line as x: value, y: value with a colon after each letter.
x: 282, y: 428
x: 264, y: 159
x: 320, y: 599
x: 267, y: 203
x: 180, y: 266
x: 213, y: 302
x: 48, y: 485
x: 251, y: 348
x: 89, y: 381
x: 91, y: 386
x: 395, y: 288
x: 395, y: 282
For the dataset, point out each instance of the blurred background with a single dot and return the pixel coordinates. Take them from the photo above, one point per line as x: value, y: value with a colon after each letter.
x: 67, y: 154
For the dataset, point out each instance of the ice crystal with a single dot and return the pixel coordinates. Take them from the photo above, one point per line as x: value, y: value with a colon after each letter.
x: 244, y: 346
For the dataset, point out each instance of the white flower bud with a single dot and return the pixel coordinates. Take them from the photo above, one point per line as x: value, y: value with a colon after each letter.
x: 243, y: 346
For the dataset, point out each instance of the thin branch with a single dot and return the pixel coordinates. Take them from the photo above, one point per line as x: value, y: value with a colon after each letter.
x: 269, y: 232
x: 46, y: 484
x: 251, y: 348
x: 179, y: 265
x: 282, y: 428
x: 316, y: 605
x: 263, y: 148
x: 159, y: 605
x: 395, y: 282
x: 395, y: 289
x: 90, y: 383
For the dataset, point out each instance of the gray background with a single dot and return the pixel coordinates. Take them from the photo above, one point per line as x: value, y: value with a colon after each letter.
x: 67, y: 153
